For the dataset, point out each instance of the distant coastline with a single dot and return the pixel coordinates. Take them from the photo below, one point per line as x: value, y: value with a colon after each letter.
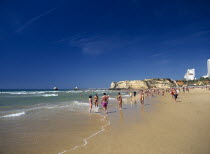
x: 157, y: 83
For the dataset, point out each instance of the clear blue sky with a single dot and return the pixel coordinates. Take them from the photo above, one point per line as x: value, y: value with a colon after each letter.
x: 90, y: 43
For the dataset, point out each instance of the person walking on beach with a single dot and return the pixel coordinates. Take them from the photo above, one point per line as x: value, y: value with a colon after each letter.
x: 172, y: 92
x: 147, y: 92
x: 134, y: 94
x: 119, y: 99
x: 183, y: 89
x: 130, y: 94
x: 91, y: 103
x: 158, y: 92
x: 163, y: 92
x: 96, y: 100
x: 104, y: 102
x: 152, y: 92
x: 175, y: 95
x: 177, y: 91
x: 142, y: 97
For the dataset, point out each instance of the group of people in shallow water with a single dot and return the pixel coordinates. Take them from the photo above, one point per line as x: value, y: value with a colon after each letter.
x: 149, y: 92
x: 141, y: 94
x: 104, y: 102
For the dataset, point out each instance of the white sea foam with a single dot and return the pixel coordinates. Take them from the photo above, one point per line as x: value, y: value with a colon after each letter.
x: 33, y: 93
x: 125, y: 95
x: 75, y: 106
x: 94, y: 109
x: 14, y: 115
x: 71, y: 106
x: 49, y: 95
x: 15, y: 93
x: 52, y: 91
x: 112, y: 98
x: 74, y: 91
x: 24, y: 92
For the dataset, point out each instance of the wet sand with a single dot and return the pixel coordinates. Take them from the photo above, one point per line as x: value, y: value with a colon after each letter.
x: 161, y: 126
x: 47, y: 131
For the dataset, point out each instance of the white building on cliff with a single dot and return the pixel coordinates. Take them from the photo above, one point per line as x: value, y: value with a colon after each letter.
x: 208, y: 69
x: 190, y: 75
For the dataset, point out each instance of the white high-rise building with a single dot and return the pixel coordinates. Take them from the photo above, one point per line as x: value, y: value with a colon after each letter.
x: 190, y: 75
x: 208, y: 69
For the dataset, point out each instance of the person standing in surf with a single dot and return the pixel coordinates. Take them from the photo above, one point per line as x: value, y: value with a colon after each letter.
x: 134, y: 95
x: 91, y: 103
x: 119, y: 99
x: 142, y: 97
x: 104, y: 102
x: 96, y: 100
x: 131, y: 95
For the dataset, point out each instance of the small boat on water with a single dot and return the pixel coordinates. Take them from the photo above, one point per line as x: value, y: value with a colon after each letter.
x: 76, y: 88
x: 55, y: 88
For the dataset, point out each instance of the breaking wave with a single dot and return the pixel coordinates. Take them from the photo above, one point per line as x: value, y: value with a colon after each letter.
x: 14, y: 115
x: 49, y: 95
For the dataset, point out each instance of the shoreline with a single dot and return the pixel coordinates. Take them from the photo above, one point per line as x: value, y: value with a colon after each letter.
x: 171, y: 127
x: 159, y: 126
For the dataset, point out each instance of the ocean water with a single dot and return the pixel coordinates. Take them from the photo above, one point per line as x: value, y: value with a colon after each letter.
x: 19, y: 102
x: 47, y: 121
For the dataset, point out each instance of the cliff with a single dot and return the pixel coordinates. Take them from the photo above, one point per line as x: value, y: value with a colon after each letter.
x: 193, y: 82
x: 144, y: 84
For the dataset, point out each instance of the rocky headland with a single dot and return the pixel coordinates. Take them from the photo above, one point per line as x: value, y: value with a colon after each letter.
x: 143, y: 84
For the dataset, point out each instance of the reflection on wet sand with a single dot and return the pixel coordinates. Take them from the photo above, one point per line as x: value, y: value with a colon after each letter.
x: 106, y: 117
x: 142, y: 108
x: 121, y: 116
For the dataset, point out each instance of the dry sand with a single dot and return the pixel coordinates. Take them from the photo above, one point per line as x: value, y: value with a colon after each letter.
x: 167, y: 127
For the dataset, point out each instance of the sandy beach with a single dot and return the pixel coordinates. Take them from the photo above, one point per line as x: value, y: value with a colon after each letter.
x: 161, y: 126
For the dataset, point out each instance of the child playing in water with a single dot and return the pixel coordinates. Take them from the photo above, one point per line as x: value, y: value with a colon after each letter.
x: 91, y: 103
x: 96, y: 100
